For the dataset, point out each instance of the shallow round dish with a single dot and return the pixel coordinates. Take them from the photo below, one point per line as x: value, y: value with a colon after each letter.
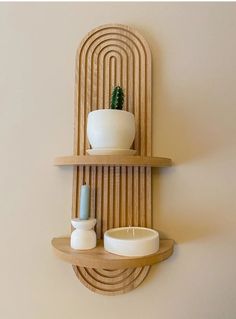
x: 131, y: 241
x: 110, y: 151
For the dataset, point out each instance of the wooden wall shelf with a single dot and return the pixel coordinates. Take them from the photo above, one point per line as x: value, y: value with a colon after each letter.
x: 111, y: 160
x: 121, y: 186
x: 99, y: 258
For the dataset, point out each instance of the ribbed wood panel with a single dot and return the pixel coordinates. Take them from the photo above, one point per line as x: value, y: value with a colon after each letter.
x: 111, y: 282
x: 120, y: 196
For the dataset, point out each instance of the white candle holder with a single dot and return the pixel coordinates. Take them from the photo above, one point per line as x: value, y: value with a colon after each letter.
x: 84, y: 236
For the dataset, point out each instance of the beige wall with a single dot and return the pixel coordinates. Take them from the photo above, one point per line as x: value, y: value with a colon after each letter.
x: 194, y: 107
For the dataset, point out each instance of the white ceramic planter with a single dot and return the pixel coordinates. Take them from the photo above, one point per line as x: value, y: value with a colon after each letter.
x: 114, y: 129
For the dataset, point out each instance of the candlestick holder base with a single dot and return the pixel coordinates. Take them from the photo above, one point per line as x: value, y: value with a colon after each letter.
x: 84, y: 236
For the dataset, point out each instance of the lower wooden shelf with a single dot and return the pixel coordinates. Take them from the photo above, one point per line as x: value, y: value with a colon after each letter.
x: 99, y: 258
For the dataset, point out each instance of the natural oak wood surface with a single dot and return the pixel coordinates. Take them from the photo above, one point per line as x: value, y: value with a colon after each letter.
x: 111, y: 282
x: 100, y: 259
x: 113, y: 55
x: 120, y: 187
x: 111, y: 160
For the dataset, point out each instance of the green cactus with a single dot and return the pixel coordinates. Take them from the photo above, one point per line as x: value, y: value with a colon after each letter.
x: 117, y: 99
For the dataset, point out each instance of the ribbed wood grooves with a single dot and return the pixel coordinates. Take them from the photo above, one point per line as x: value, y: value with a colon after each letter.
x: 114, y: 282
x: 120, y: 196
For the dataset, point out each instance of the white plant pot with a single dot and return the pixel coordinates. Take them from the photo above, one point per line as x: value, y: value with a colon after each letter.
x: 109, y: 128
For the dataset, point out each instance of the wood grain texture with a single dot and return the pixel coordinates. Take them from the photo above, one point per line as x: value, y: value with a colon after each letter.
x: 113, y: 160
x: 113, y: 282
x: 113, y: 55
x: 101, y: 259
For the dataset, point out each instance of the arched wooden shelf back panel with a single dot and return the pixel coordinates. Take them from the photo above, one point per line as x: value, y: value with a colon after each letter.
x: 114, y: 55
x: 121, y: 193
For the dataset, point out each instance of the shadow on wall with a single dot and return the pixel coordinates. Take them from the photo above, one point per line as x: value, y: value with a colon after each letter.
x: 184, y: 110
x: 185, y: 129
x: 186, y: 135
x: 183, y: 219
x: 186, y: 231
x: 156, y: 271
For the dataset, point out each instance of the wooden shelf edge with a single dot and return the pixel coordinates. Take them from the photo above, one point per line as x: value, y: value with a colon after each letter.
x: 113, y: 160
x: 100, y: 259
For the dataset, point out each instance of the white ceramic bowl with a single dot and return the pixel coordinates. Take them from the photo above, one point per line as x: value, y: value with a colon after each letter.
x: 131, y: 241
x: 107, y: 128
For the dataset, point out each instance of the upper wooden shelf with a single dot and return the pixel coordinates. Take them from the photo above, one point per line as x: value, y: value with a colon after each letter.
x: 99, y: 258
x: 113, y: 160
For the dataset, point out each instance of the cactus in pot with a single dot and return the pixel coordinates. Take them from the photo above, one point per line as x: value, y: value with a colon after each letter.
x: 111, y: 128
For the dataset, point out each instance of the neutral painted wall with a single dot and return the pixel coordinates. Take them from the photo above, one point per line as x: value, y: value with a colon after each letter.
x: 194, y: 107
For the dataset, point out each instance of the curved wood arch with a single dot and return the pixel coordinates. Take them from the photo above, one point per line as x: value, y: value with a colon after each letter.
x: 114, y: 55
x: 129, y: 280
